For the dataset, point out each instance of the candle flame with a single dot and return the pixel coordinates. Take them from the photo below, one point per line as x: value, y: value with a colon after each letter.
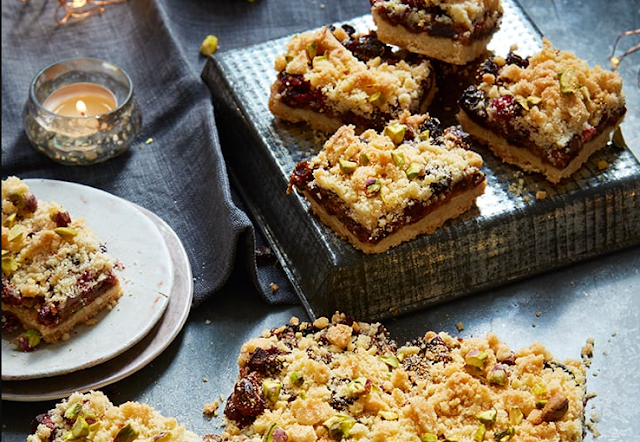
x: 81, y: 107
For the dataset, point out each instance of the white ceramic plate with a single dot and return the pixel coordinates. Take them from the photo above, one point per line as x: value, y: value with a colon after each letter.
x: 133, y: 239
x: 156, y: 341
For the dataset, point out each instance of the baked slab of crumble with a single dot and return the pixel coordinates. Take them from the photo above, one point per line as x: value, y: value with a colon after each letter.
x: 379, y: 189
x: 55, y: 272
x: 454, y: 31
x: 335, y: 76
x: 547, y: 113
x: 339, y: 379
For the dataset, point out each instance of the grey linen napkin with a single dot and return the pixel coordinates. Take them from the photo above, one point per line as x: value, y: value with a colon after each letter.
x: 181, y: 175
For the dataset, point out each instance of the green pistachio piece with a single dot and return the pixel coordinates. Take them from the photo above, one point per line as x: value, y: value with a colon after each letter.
x: 373, y: 186
x: 515, y: 415
x: 425, y: 135
x: 429, y: 437
x: 505, y: 435
x: 414, y: 170
x: 312, y: 50
x: 478, y: 436
x: 73, y: 411
x: 66, y: 232
x: 364, y: 159
x: 162, y: 437
x: 347, y: 167
x: 395, y: 132
x: 398, y: 158
x: 539, y: 390
x: 339, y: 425
x: 522, y: 101
x: 390, y: 360
x: 377, y: 98
x: 79, y: 429
x: 568, y: 82
x: 488, y: 417
x: 476, y: 358
x: 16, y: 233
x: 540, y: 403
x: 9, y: 265
x: 126, y: 434
x: 271, y: 389
x: 388, y: 415
x: 296, y: 379
x: 498, y: 375
x: 9, y: 220
x: 319, y: 58
x: 357, y: 387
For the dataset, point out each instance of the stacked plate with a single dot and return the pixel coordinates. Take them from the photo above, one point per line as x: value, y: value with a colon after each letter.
x: 158, y: 290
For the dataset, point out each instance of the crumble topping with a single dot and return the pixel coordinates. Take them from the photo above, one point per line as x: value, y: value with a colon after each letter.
x: 378, y: 177
x: 558, y: 94
x: 51, y: 258
x: 92, y: 416
x: 349, y: 84
x: 339, y: 379
x: 464, y: 15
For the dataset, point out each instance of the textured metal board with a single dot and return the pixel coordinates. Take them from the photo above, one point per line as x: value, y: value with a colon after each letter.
x: 509, y: 235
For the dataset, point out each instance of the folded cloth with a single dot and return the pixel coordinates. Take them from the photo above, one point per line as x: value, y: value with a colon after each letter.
x: 181, y: 174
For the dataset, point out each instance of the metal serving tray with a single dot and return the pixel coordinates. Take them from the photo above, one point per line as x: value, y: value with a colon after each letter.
x: 508, y: 236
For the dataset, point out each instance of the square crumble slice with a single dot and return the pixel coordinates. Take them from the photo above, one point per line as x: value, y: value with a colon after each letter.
x: 340, y: 379
x: 378, y: 190
x: 335, y: 76
x: 454, y: 31
x: 547, y: 113
x: 55, y: 272
x: 92, y: 417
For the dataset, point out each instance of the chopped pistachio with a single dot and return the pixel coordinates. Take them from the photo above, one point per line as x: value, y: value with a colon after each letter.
x: 9, y: 265
x: 414, y: 170
x: 505, y: 435
x: 271, y: 389
x: 425, y: 135
x: 339, y: 425
x: 377, y: 98
x: 319, y: 58
x: 126, y: 434
x: 476, y: 358
x: 373, y: 187
x: 347, y: 167
x: 66, y: 232
x: 312, y: 50
x: 162, y: 437
x: 79, y: 429
x: 478, y: 436
x: 498, y: 375
x: 398, y: 158
x: 364, y: 159
x: 390, y: 360
x: 515, y: 415
x: 275, y: 434
x: 357, y: 386
x: 73, y: 411
x: 395, y: 132
x: 488, y: 417
x: 16, y: 233
x: 568, y: 82
x: 539, y: 390
x: 429, y: 437
x: 296, y: 379
x: 209, y: 45
x: 9, y: 220
x: 388, y: 415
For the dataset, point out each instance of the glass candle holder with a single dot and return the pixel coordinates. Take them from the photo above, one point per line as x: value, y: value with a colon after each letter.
x: 81, y: 111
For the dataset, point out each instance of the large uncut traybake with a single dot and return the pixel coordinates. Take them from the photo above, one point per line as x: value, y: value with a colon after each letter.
x: 512, y: 233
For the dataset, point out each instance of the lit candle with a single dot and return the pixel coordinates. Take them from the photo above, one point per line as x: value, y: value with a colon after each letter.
x: 80, y: 100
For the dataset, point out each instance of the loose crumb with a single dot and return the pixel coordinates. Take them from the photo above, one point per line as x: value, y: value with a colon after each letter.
x: 211, y: 409
x: 538, y: 314
x: 460, y: 326
x: 541, y: 195
x: 148, y: 141
x: 205, y: 379
x: 207, y: 322
x: 209, y: 45
x: 602, y: 165
x: 274, y: 287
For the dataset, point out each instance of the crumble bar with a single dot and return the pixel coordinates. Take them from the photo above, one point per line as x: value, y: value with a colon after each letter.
x: 454, y: 31
x: 55, y: 272
x: 378, y: 190
x: 547, y: 113
x: 335, y: 76
x: 339, y: 379
x: 92, y: 417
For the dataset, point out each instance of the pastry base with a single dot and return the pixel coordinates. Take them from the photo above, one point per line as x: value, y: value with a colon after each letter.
x: 454, y: 207
x: 440, y: 48
x: 524, y: 158
x: 51, y: 334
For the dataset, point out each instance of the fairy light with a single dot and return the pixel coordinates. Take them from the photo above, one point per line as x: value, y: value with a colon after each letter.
x: 79, y: 9
x: 616, y: 60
